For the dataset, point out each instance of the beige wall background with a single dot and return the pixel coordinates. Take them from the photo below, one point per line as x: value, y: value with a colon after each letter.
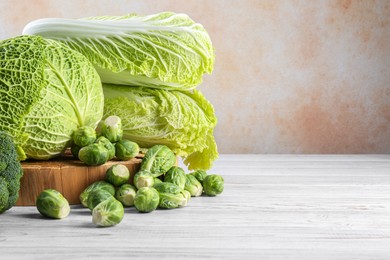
x: 290, y: 76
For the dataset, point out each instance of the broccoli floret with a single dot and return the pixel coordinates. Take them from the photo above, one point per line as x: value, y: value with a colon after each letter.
x: 10, y: 173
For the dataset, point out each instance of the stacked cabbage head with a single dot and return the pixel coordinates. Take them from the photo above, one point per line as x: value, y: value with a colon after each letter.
x: 158, y: 60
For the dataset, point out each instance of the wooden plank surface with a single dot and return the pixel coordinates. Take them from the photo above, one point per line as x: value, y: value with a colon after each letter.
x: 273, y: 207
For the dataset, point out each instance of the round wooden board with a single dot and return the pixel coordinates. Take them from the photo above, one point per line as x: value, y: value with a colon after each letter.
x: 68, y: 176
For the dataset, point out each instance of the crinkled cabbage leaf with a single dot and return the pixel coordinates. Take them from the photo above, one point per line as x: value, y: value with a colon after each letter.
x: 47, y: 90
x: 164, y: 50
x: 184, y: 121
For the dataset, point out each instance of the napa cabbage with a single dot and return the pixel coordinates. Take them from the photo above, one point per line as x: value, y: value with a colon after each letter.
x: 165, y: 50
x: 182, y: 120
x: 47, y: 91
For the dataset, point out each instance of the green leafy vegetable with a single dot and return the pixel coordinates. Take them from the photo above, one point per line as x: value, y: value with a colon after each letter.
x: 10, y: 173
x: 137, y: 50
x: 93, y: 154
x: 97, y: 185
x: 47, y: 91
x: 50, y: 203
x: 109, y: 212
x: 213, y: 184
x: 158, y: 160
x: 117, y: 174
x: 183, y: 121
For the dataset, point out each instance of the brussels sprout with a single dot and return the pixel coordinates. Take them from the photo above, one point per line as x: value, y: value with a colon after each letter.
x: 74, y: 149
x: 158, y: 160
x: 93, y: 154
x: 167, y: 187
x: 97, y: 196
x: 117, y: 174
x: 52, y: 204
x: 98, y: 185
x: 171, y: 201
x: 126, y: 194
x: 193, y: 186
x: 125, y: 150
x: 213, y: 185
x: 176, y: 175
x: 199, y: 175
x: 111, y: 128
x: 186, y: 194
x: 108, y: 213
x: 143, y: 179
x: 84, y: 136
x: 156, y: 180
x: 108, y: 145
x: 146, y: 199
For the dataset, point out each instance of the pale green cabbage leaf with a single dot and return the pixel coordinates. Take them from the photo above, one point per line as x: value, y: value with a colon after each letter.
x: 47, y: 91
x: 184, y: 121
x: 165, y: 50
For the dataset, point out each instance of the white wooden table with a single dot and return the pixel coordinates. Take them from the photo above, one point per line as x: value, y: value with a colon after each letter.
x: 273, y: 207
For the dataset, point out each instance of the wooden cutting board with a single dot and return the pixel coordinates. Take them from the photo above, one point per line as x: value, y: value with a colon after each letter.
x: 68, y: 176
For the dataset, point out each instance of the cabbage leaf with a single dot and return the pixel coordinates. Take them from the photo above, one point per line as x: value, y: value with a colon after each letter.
x: 182, y: 120
x: 47, y: 91
x: 164, y: 50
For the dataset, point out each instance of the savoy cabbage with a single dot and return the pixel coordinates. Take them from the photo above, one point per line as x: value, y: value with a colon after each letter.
x: 47, y: 90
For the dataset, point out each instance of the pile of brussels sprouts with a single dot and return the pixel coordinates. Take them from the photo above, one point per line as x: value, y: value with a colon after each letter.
x: 96, y: 147
x: 159, y: 183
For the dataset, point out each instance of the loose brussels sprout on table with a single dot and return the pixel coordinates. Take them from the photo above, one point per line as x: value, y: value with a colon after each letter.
x: 171, y: 201
x: 97, y: 196
x: 193, y: 186
x: 108, y: 145
x: 84, y: 136
x: 111, y: 128
x: 171, y: 195
x: 98, y: 185
x: 176, y: 175
x: 143, y: 179
x: 199, y: 175
x: 158, y: 160
x: 146, y: 199
x: 108, y: 213
x: 93, y: 154
x: 126, y: 150
x: 117, y: 174
x: 213, y: 185
x: 126, y: 194
x: 52, y: 204
x: 167, y: 187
